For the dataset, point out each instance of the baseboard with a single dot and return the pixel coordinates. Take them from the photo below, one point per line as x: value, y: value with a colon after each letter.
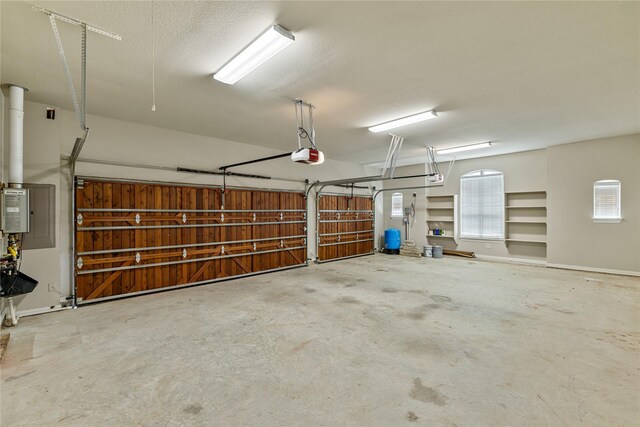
x: 594, y: 269
x: 35, y: 311
x: 512, y: 260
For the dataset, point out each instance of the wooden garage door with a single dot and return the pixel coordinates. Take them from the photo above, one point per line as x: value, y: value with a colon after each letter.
x: 137, y: 237
x: 345, y: 226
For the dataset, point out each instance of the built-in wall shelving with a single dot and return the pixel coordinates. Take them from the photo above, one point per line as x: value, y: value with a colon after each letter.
x: 526, y: 217
x: 441, y: 215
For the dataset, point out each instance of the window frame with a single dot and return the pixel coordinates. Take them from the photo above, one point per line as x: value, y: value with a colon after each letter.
x: 608, y: 220
x: 394, y: 214
x: 479, y: 174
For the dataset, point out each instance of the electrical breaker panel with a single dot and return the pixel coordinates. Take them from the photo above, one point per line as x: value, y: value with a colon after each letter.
x: 14, y: 203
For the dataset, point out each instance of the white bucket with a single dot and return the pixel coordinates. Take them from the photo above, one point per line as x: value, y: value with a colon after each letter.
x: 427, y: 251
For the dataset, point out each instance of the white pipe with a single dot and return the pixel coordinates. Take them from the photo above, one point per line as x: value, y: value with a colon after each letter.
x: 16, y: 135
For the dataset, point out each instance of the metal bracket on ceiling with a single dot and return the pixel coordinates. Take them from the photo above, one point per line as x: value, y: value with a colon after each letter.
x: 432, y: 165
x: 73, y: 21
x: 392, y: 155
x: 78, y: 105
x: 65, y: 65
x: 308, y: 132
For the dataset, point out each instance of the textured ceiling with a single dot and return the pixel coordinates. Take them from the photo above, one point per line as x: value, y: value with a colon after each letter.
x: 522, y: 74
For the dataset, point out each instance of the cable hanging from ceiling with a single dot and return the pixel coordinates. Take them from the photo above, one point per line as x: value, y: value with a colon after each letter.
x: 306, y: 131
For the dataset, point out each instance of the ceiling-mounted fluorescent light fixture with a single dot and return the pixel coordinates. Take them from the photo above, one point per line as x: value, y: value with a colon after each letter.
x: 257, y: 53
x: 404, y: 121
x: 464, y: 148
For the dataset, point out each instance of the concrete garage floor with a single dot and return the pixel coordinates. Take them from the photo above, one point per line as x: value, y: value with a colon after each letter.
x: 373, y: 341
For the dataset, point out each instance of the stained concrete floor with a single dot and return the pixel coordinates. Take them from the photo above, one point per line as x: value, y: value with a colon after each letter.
x: 373, y: 341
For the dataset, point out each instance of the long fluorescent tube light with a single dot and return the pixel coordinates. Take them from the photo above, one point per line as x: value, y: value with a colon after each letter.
x: 257, y: 53
x: 464, y: 148
x: 404, y: 121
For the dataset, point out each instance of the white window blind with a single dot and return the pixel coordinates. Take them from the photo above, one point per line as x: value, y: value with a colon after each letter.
x: 396, y: 205
x: 482, y: 205
x: 606, y: 200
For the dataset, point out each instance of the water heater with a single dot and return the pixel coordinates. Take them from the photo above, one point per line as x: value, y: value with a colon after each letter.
x: 15, y: 210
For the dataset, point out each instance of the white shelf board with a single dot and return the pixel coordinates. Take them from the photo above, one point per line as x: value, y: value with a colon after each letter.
x: 542, y: 242
x: 525, y: 222
x: 525, y: 207
x: 526, y: 192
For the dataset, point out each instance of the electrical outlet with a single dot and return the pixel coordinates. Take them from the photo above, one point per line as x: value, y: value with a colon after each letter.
x: 487, y: 245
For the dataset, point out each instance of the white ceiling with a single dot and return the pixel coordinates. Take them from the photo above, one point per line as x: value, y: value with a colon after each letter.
x: 524, y: 75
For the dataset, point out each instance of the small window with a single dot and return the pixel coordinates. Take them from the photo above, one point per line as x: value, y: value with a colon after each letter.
x: 396, y: 205
x: 606, y: 201
x: 482, y: 205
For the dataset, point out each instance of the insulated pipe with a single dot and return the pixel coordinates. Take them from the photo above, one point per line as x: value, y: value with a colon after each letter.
x: 16, y: 135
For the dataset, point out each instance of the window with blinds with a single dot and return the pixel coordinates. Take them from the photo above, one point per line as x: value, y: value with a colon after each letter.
x: 396, y: 205
x: 482, y: 205
x: 606, y: 201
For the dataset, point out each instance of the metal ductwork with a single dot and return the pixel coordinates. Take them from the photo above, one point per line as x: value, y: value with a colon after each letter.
x: 16, y: 135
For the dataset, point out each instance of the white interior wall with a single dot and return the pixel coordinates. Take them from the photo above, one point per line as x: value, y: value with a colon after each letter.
x: 417, y: 229
x: 574, y: 239
x: 46, y: 141
x: 4, y: 174
x: 525, y: 171
x: 567, y: 172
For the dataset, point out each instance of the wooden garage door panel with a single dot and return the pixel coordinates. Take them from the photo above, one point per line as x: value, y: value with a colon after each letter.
x: 135, y: 237
x: 345, y: 226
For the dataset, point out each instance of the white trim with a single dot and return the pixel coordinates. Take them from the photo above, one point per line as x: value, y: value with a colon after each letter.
x: 35, y: 311
x: 542, y: 263
x: 618, y: 188
x: 513, y: 260
x: 594, y: 269
x: 483, y: 239
x: 401, y: 214
x: 607, y: 220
